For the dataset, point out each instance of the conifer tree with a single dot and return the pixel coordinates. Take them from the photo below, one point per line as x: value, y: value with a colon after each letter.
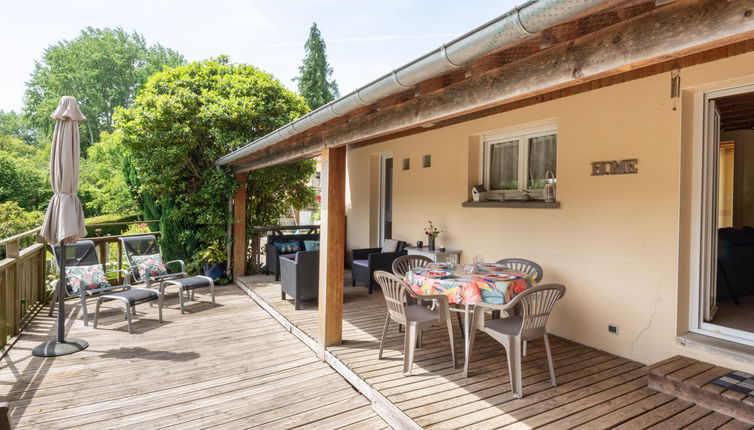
x: 314, y: 80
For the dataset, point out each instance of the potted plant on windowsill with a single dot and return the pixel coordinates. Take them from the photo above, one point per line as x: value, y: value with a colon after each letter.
x: 214, y: 260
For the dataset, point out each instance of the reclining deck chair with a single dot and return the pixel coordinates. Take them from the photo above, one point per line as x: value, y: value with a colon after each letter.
x: 143, y: 255
x: 83, y: 267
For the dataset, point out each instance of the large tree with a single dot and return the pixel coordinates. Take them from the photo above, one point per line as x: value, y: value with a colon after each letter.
x: 17, y: 125
x: 314, y: 83
x: 184, y: 119
x: 23, y: 173
x: 102, y: 68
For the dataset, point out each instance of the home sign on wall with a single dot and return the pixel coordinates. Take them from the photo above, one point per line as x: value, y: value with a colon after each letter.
x: 622, y: 167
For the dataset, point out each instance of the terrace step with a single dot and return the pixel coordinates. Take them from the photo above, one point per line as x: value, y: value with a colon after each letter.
x: 690, y: 380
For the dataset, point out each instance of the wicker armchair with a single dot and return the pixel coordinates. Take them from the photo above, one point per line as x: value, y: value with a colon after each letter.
x: 366, y: 261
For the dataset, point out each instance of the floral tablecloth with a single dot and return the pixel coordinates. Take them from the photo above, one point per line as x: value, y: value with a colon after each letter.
x: 489, y: 282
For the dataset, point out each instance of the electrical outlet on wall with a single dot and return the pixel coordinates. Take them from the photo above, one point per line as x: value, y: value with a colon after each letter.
x: 612, y: 329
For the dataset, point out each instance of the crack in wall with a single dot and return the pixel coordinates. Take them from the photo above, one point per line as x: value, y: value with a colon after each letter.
x: 649, y: 324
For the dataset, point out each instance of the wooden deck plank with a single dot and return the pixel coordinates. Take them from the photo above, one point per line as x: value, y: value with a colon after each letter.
x: 595, y: 389
x: 682, y: 420
x: 209, y: 366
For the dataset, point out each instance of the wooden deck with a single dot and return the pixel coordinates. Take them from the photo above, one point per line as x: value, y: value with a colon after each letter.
x: 595, y: 389
x: 227, y: 367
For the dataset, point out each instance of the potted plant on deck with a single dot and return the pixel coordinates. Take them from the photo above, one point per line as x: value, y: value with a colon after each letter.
x: 214, y: 260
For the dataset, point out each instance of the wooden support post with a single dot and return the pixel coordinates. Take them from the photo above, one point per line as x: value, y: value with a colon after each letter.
x: 239, y: 227
x: 332, y: 244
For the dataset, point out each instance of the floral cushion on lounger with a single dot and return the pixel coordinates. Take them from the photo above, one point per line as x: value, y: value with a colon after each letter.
x: 89, y: 277
x: 149, y: 265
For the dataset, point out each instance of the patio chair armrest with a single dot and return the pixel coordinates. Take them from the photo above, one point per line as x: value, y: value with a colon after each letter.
x: 363, y: 253
x: 183, y: 265
x: 384, y: 260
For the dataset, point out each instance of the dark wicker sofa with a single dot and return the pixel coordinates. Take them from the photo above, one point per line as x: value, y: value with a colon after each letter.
x: 367, y: 260
x: 272, y: 256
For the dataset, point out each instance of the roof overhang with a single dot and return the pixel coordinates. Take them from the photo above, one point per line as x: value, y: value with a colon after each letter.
x: 539, y: 60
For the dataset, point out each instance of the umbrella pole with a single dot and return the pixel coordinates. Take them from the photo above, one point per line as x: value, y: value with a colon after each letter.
x: 61, y: 294
x: 60, y: 346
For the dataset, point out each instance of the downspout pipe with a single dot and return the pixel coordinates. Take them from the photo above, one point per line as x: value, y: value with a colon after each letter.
x: 522, y: 21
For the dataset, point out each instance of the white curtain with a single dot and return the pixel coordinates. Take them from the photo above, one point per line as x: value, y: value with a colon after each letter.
x: 542, y: 157
x: 504, y: 165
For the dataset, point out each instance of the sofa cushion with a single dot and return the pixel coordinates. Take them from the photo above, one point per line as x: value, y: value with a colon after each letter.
x: 287, y: 247
x: 390, y: 245
x: 311, y: 245
x: 364, y: 263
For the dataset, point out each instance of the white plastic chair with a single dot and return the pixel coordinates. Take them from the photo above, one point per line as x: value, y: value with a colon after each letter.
x: 415, y: 318
x: 533, y: 308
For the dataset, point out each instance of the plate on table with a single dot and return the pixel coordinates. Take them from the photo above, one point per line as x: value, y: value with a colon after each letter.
x: 435, y: 272
x: 500, y: 276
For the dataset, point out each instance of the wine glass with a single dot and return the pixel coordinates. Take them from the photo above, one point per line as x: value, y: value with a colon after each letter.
x: 479, y: 259
x: 451, y: 259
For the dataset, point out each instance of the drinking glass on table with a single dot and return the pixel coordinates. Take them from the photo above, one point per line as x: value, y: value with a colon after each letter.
x: 478, y: 261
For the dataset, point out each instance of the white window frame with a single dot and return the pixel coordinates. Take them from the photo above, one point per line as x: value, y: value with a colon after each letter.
x: 522, y: 135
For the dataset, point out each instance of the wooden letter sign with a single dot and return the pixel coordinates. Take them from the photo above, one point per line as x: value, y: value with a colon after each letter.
x: 622, y: 167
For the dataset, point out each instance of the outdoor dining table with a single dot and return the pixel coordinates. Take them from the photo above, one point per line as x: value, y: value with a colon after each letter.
x: 466, y: 285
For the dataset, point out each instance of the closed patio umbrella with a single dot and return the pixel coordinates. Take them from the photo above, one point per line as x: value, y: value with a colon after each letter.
x: 64, y: 220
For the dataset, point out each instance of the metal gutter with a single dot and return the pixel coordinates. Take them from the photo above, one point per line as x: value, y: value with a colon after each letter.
x: 524, y: 20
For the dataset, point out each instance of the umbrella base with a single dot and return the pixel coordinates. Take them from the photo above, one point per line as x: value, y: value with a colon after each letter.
x: 53, y: 348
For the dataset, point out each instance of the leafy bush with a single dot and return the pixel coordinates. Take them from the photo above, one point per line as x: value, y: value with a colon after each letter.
x: 109, y: 230
x: 184, y: 119
x: 14, y: 220
x: 103, y: 178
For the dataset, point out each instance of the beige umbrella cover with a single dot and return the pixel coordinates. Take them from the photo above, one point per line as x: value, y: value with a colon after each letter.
x: 64, y: 219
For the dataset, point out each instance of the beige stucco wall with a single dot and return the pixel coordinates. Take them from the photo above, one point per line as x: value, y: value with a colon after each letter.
x: 614, y: 242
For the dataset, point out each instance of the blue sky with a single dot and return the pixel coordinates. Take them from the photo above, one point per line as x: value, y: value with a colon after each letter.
x: 365, y: 39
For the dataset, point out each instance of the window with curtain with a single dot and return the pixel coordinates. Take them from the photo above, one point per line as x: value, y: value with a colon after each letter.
x: 518, y: 161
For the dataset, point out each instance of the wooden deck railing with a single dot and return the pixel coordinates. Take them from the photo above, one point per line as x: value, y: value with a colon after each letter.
x: 259, y: 235
x: 23, y: 274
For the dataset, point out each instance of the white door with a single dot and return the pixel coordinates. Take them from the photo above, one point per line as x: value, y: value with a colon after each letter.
x: 710, y: 213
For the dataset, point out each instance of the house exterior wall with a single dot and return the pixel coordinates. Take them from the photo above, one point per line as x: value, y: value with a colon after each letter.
x: 615, y: 240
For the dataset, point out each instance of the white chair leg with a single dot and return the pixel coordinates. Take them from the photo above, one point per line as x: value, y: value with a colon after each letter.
x: 159, y: 306
x: 513, y: 350
x: 549, y: 360
x: 411, y: 330
x: 523, y: 350
x: 384, y: 335
x: 212, y: 291
x: 405, y: 350
x: 472, y: 336
x: 449, y: 323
